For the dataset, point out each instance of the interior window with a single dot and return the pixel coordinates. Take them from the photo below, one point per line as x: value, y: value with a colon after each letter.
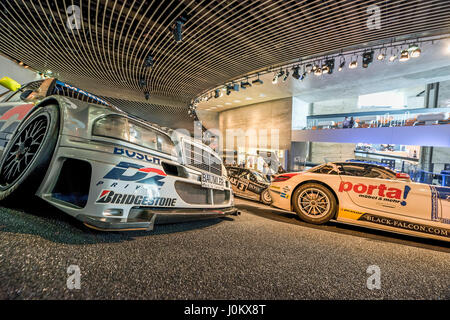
x: 244, y: 175
x: 381, y: 173
x: 367, y: 171
x: 233, y: 171
x: 15, y: 97
x: 33, y: 87
x: 355, y: 170
x: 326, y: 169
x: 257, y: 177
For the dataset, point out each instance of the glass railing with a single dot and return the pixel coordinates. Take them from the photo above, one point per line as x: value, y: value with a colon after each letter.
x: 377, y: 119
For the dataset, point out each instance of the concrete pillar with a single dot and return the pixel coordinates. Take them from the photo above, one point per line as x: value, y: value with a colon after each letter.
x: 431, y: 101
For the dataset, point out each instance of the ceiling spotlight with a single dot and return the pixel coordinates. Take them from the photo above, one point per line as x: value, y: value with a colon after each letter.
x: 314, y: 68
x: 393, y: 56
x: 414, y: 51
x: 275, y: 78
x: 318, y: 71
x: 296, y: 72
x: 404, y: 56
x: 341, y: 63
x: 329, y: 66
x: 217, y: 93
x: 229, y: 88
x: 353, y: 64
x: 382, y: 54
x: 245, y: 84
x: 142, y: 83
x: 257, y: 82
x: 149, y: 62
x: 286, y: 75
x: 309, y: 68
x: 235, y: 86
x: 367, y: 59
x: 177, y: 28
x: 147, y: 95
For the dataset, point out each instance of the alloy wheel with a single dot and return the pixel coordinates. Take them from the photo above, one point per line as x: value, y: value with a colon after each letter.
x: 314, y: 203
x: 24, y: 148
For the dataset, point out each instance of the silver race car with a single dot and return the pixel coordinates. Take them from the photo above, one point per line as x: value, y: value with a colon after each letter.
x: 102, y: 166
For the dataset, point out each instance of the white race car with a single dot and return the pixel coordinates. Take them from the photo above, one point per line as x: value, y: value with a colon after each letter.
x: 106, y: 168
x: 365, y: 194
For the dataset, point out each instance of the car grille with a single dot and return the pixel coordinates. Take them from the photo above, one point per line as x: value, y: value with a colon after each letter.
x: 221, y: 196
x: 192, y: 193
x: 202, y: 159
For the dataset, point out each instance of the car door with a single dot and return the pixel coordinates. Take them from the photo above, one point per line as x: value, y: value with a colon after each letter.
x: 233, y: 177
x: 242, y: 185
x: 257, y: 184
x: 374, y: 188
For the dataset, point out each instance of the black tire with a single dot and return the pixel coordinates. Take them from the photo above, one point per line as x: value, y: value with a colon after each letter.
x: 265, y: 197
x: 29, y: 151
x: 314, y: 203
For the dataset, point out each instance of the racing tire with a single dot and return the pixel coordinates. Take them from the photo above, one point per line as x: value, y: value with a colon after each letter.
x: 265, y: 197
x: 314, y: 203
x: 27, y: 156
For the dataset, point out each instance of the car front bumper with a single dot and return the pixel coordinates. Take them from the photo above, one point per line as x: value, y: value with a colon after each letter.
x: 146, y: 218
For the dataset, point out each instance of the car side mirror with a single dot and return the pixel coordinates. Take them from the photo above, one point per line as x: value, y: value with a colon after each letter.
x: 9, y: 84
x: 403, y: 176
x: 24, y: 95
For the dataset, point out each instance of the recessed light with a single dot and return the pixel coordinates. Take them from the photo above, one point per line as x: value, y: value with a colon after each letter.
x: 262, y: 95
x: 227, y: 103
x: 248, y: 98
x: 237, y: 101
x: 219, y: 105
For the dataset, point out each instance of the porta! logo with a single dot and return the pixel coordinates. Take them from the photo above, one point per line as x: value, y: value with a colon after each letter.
x: 376, y: 190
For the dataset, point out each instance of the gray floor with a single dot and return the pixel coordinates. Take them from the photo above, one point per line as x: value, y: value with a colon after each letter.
x: 262, y: 254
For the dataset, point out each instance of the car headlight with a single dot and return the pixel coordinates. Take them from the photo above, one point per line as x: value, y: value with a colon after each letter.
x: 122, y: 128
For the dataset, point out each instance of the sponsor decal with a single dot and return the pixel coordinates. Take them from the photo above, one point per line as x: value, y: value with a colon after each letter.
x: 136, y: 155
x: 109, y: 196
x: 12, y: 116
x: 87, y: 94
x: 252, y: 187
x: 284, y: 195
x: 437, y: 193
x: 377, y: 192
x: 126, y: 171
x: 350, y: 214
x: 443, y: 193
x: 401, y: 224
x: 434, y: 203
x: 212, y: 181
x: 247, y: 185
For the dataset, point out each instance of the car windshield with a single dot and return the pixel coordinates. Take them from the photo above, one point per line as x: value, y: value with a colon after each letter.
x: 324, y: 169
x: 66, y: 90
x: 259, y: 177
